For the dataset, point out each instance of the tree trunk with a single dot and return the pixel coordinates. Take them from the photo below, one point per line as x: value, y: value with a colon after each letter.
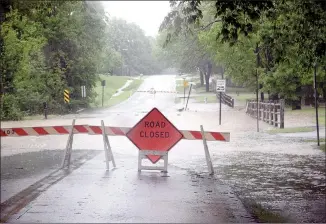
x: 208, y: 75
x: 273, y: 97
x: 201, y: 77
x: 207, y: 81
x: 262, y: 96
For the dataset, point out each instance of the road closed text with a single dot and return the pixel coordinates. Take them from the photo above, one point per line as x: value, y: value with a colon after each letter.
x: 154, y: 134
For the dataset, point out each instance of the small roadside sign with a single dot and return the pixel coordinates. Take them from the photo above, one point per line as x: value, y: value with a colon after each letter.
x: 66, y: 96
x: 220, y: 85
x: 83, y: 91
x: 185, y: 83
x: 103, y: 83
x: 152, y: 91
x: 154, y: 132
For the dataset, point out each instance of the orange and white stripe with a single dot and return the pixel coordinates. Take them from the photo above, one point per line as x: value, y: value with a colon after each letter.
x: 209, y: 136
x: 97, y: 130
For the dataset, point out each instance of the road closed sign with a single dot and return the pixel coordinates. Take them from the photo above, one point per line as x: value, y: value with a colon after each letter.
x: 154, y: 132
x: 220, y: 85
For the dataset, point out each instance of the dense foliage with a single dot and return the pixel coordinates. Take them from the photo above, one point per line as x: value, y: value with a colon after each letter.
x: 49, y: 46
x: 280, y: 41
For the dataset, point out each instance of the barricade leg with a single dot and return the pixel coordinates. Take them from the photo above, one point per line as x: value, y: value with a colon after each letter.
x: 67, y: 157
x: 143, y: 155
x: 165, y: 163
x: 207, y: 155
x: 107, y: 148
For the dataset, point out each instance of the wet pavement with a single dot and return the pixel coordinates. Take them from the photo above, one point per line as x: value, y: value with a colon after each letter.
x: 285, y: 175
x: 90, y: 194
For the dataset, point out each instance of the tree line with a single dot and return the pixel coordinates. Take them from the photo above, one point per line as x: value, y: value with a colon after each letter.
x: 49, y: 46
x: 279, y: 43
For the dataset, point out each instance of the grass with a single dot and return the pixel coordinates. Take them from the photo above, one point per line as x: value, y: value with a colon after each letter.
x: 242, y: 97
x: 308, y: 111
x: 127, y: 92
x: 134, y: 85
x: 314, y: 140
x: 237, y: 89
x: 177, y: 100
x: 179, y: 86
x: 322, y: 141
x: 113, y: 83
x: 292, y: 130
x: 210, y: 98
x: 39, y: 116
x: 263, y: 215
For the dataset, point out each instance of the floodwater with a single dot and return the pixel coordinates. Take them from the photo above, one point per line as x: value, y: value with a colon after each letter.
x: 284, y: 174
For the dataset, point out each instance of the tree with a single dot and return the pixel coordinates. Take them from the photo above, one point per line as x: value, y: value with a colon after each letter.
x: 290, y: 37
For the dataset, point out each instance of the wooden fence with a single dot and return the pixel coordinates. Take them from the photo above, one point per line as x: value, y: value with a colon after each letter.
x: 226, y: 99
x: 271, y: 112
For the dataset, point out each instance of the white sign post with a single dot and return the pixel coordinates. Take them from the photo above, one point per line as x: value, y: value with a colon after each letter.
x: 83, y: 91
x: 220, y: 87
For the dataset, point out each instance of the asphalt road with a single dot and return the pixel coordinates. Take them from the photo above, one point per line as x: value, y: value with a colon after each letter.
x: 285, y: 175
x: 90, y: 194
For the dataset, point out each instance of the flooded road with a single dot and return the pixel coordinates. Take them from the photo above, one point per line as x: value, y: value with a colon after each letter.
x: 284, y: 175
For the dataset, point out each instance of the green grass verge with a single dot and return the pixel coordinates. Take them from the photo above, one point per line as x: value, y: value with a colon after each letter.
x: 200, y: 89
x: 177, y: 100
x: 39, y: 117
x: 321, y: 141
x: 304, y: 112
x: 242, y: 97
x: 113, y: 83
x: 237, y: 89
x: 210, y: 98
x: 314, y: 140
x: 179, y: 86
x: 127, y: 92
x: 291, y: 130
x: 263, y: 215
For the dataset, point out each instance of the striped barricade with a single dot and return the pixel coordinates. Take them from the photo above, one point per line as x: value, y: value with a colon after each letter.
x: 210, y: 136
x: 46, y: 130
x: 97, y: 130
x: 109, y: 131
x: 156, y: 91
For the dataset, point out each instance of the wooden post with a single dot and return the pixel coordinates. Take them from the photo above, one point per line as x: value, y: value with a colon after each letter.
x: 270, y: 107
x: 275, y: 121
x: 259, y: 110
x: 207, y: 155
x: 107, y: 148
x: 272, y: 113
x: 67, y: 157
x: 282, y: 114
x: 264, y: 110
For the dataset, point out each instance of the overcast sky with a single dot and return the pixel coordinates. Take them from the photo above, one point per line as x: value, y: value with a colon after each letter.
x: 147, y: 14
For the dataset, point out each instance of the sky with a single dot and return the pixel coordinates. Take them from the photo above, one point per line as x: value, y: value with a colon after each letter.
x: 147, y: 14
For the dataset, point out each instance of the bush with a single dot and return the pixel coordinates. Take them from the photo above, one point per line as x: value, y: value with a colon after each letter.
x: 9, y: 108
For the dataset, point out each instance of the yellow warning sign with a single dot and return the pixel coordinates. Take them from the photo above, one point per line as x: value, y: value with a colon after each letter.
x: 185, y: 83
x: 66, y: 96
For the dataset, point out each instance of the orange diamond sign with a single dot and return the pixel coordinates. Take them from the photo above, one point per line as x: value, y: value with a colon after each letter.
x: 154, y: 132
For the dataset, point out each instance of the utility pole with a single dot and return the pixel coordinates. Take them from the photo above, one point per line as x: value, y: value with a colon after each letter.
x: 316, y: 101
x: 257, y: 88
x: 103, y: 85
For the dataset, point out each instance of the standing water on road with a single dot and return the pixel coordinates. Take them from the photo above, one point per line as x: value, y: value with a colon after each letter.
x: 216, y: 71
